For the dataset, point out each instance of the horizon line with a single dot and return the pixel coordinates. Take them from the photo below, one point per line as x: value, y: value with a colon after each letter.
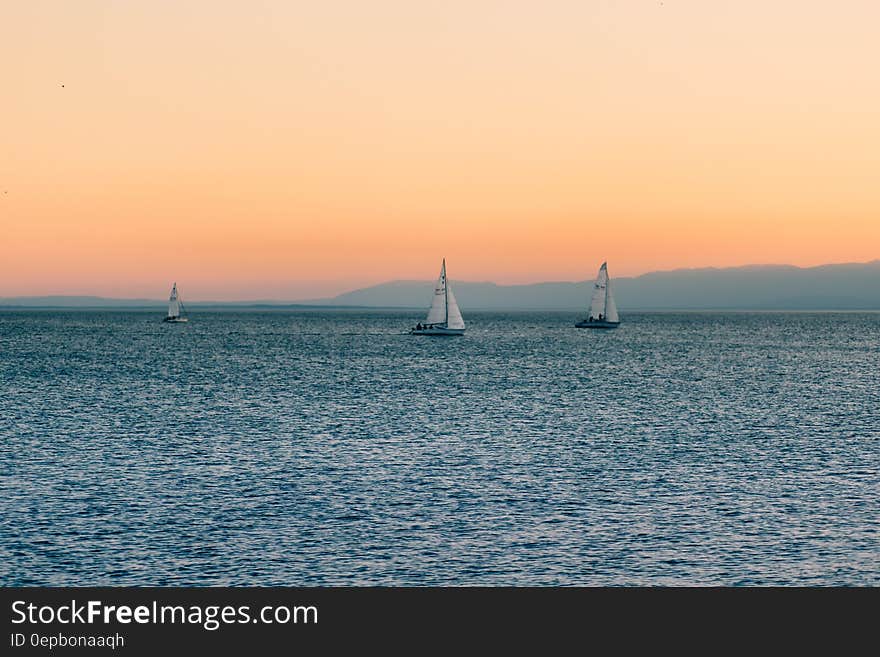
x: 321, y: 301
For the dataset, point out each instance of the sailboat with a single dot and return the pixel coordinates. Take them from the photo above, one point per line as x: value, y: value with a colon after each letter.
x: 444, y: 317
x: 603, y: 310
x: 174, y: 308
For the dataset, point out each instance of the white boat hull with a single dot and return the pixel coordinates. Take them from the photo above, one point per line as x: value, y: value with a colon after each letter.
x: 436, y: 330
x: 597, y: 324
x: 175, y: 320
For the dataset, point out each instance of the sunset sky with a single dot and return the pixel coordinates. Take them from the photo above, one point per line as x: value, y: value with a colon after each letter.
x: 290, y: 150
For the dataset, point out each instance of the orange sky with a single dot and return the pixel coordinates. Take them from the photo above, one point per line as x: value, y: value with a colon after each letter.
x: 289, y: 150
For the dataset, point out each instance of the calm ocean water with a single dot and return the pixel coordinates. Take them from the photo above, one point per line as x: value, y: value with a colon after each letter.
x: 323, y: 448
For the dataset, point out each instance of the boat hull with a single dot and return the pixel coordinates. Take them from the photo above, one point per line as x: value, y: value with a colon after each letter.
x: 437, y: 330
x: 175, y: 320
x: 597, y: 324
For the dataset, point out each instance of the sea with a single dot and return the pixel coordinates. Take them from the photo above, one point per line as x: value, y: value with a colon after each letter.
x: 330, y: 448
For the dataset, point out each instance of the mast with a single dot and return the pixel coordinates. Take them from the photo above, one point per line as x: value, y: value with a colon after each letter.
x: 607, y: 287
x: 445, y: 293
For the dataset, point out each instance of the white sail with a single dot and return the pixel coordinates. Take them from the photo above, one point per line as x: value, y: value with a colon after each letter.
x: 437, y: 313
x: 454, y: 320
x: 597, y: 303
x: 173, y: 303
x: 610, y: 306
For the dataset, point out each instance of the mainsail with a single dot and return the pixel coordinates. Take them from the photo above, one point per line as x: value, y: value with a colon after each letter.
x: 173, y: 303
x: 444, y: 308
x: 437, y: 313
x: 600, y: 293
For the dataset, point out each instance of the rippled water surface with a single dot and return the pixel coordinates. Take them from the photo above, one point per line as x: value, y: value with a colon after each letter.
x: 321, y: 448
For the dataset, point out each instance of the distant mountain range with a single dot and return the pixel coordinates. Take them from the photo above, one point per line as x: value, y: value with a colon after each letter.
x: 60, y: 301
x: 755, y: 287
x: 853, y: 286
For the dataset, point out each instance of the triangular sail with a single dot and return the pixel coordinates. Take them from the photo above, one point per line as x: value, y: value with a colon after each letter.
x: 454, y: 319
x: 437, y: 313
x: 597, y: 303
x: 610, y: 306
x: 173, y: 303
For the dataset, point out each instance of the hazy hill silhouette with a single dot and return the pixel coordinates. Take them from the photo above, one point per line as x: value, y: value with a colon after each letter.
x: 759, y: 287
